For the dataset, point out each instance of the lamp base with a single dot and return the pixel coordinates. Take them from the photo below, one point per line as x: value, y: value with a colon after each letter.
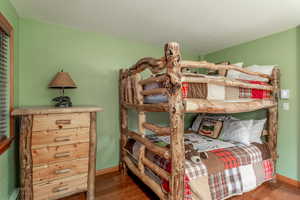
x: 62, y: 101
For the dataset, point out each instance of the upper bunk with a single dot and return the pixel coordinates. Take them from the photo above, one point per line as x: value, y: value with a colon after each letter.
x: 196, y: 86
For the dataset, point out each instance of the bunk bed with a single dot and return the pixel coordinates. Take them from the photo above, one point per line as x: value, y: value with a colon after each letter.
x: 177, y: 87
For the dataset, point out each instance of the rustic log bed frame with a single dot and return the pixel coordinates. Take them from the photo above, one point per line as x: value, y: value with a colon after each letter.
x: 131, y: 96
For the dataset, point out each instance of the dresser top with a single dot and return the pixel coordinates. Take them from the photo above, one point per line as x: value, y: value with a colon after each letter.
x: 38, y: 110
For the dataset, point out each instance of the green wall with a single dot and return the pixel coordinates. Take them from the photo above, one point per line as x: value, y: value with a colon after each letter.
x: 8, y: 168
x: 281, y: 49
x: 93, y: 60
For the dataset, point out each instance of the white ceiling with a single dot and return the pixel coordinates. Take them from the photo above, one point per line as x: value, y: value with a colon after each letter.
x: 199, y: 25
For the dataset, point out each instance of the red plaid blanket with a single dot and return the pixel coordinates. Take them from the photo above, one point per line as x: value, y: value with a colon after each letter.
x: 229, y: 171
x: 254, y: 93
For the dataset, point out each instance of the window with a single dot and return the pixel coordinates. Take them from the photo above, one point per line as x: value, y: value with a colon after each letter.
x: 3, y: 85
x: 6, y: 83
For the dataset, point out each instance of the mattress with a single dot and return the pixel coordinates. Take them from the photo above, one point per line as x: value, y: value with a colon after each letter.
x: 214, y: 169
x: 211, y: 92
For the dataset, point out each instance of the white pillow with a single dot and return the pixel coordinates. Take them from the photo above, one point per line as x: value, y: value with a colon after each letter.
x: 236, y: 131
x: 232, y: 74
x: 256, y: 130
x: 265, y: 69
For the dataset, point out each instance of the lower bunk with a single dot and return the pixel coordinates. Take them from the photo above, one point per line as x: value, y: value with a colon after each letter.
x: 214, y: 169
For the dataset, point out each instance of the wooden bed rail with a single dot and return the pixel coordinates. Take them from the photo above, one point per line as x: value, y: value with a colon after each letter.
x: 157, y: 79
x: 153, y: 64
x: 146, y: 179
x: 161, y: 151
x: 212, y: 66
x: 157, y: 129
x: 159, y: 107
x: 199, y: 78
x: 229, y: 107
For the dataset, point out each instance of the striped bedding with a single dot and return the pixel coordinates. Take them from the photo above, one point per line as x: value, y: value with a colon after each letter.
x: 214, y: 169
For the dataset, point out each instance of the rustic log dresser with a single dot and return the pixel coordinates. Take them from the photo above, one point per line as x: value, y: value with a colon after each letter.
x: 57, y: 151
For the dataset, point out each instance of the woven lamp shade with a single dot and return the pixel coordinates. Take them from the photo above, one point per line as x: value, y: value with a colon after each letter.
x: 62, y: 80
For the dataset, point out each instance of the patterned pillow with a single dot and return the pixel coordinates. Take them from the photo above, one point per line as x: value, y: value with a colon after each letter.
x: 210, y: 128
x: 197, y: 122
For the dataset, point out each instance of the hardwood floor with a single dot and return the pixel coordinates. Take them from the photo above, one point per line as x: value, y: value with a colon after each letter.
x: 115, y: 186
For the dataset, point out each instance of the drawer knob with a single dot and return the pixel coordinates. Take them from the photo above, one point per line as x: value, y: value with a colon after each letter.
x: 62, y: 155
x: 60, y: 189
x: 63, y: 171
x: 62, y: 139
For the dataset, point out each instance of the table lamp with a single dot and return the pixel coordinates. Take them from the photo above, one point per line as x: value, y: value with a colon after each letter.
x: 62, y: 81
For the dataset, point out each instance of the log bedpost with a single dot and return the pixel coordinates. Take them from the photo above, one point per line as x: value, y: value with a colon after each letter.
x: 273, y: 119
x: 141, y: 119
x: 172, y: 55
x: 140, y: 101
x: 123, y: 120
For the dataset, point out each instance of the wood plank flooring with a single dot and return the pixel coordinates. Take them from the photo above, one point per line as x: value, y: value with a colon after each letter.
x: 115, y: 186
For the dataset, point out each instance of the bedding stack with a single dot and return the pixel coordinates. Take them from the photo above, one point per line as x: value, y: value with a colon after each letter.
x: 219, y: 92
x: 212, y: 91
x: 223, y: 157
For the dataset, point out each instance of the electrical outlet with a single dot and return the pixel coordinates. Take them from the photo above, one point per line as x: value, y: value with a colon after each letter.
x: 285, y: 94
x: 286, y: 106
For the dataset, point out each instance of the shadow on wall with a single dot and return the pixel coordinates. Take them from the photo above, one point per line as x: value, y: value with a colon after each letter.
x: 298, y: 83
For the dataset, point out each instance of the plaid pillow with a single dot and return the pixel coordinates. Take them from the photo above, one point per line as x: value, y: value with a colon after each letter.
x: 210, y: 128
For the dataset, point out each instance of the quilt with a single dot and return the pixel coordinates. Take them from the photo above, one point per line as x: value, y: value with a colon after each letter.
x: 218, y: 92
x: 211, y: 92
x: 214, y: 169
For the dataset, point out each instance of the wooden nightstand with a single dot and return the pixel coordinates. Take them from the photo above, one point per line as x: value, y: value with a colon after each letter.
x: 57, y: 151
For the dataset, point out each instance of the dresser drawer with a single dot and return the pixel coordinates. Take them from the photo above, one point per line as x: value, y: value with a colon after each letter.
x: 59, y: 137
x: 60, y: 170
x: 60, y: 121
x: 59, y: 188
x: 59, y: 153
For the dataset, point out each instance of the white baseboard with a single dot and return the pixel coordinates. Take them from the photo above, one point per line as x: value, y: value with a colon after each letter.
x: 15, y: 194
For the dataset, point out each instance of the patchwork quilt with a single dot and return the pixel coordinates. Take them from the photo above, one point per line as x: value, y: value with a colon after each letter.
x: 219, y: 92
x: 214, y: 169
x: 211, y: 91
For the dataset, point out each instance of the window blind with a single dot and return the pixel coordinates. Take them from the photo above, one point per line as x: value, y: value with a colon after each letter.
x: 3, y: 84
